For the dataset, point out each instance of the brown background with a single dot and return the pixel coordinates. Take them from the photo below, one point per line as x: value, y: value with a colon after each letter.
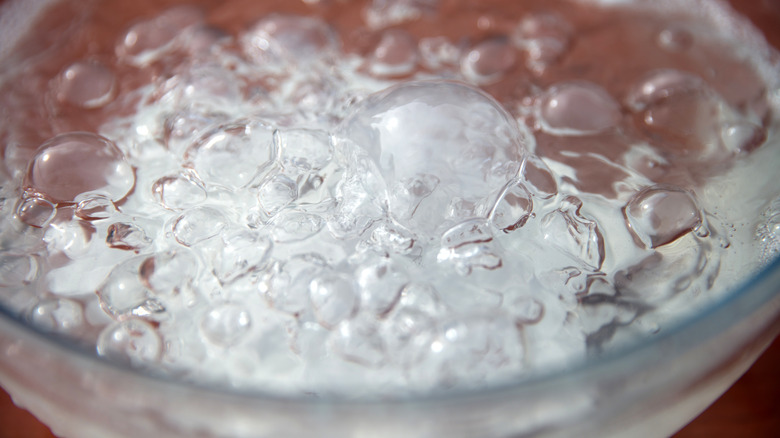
x: 751, y: 408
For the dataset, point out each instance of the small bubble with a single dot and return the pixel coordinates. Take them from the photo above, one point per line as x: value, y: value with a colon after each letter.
x: 438, y: 52
x: 241, y: 252
x: 131, y: 341
x: 86, y: 84
x: 169, y: 274
x: 544, y: 37
x: 743, y: 137
x: 94, y: 207
x: 226, y: 324
x: 384, y: 13
x: 422, y: 297
x: 488, y: 61
x: 577, y: 108
x: 233, y: 154
x: 289, y: 38
x: 359, y: 341
x: 198, y: 224
x: 71, y: 238
x: 470, y: 245
x: 574, y: 234
x: 661, y: 84
x: 526, y: 310
x: 333, y: 298
x: 286, y: 284
x: 380, y: 284
x: 303, y: 150
x: 58, y: 315
x: 18, y: 269
x: 538, y: 178
x: 675, y: 39
x: 276, y: 194
x: 179, y: 192
x: 126, y: 236
x: 147, y: 41
x: 394, y: 55
x: 78, y: 162
x: 294, y: 226
x: 513, y: 209
x: 661, y: 214
x: 123, y: 294
x: 406, y: 195
x: 182, y: 128
x: 35, y: 211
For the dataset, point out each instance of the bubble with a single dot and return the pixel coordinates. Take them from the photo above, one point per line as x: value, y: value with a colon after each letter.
x: 303, y: 150
x: 438, y: 52
x: 408, y: 334
x: 233, y: 154
x: 462, y: 137
x: 577, y: 108
x: 469, y: 245
x: 405, y: 195
x: 241, y: 252
x: 148, y: 40
x: 475, y: 345
x: 574, y: 234
x: 394, y: 55
x: 422, y: 297
x: 675, y: 39
x: 184, y: 127
x: 226, y: 324
x: 131, y: 341
x: 658, y: 215
x: 169, y: 274
x: 544, y: 37
x: 538, y: 179
x: 661, y: 84
x: 126, y: 236
x: 359, y: 341
x: 198, y: 224
x: 206, y: 87
x: 71, y: 238
x: 74, y: 163
x: 59, y: 315
x: 35, y: 211
x: 179, y: 192
x: 18, y: 269
x: 488, y: 61
x: 388, y: 238
x: 742, y: 136
x: 94, y: 207
x: 294, y: 226
x: 333, y: 298
x: 289, y: 38
x: 285, y: 284
x: 380, y: 285
x: 86, y: 84
x: 385, y: 13
x: 513, y: 209
x: 276, y: 194
x: 526, y: 310
x: 123, y: 293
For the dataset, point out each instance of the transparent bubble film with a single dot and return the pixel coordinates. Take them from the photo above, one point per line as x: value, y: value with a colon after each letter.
x: 384, y: 197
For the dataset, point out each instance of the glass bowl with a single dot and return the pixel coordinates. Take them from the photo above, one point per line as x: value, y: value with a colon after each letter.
x: 649, y: 388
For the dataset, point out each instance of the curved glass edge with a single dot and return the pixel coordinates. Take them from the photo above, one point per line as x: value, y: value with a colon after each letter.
x: 741, y: 302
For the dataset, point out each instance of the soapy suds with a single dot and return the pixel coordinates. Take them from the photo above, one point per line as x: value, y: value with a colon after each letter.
x: 384, y: 196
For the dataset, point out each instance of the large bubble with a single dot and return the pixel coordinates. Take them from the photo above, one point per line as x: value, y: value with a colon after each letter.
x: 428, y: 145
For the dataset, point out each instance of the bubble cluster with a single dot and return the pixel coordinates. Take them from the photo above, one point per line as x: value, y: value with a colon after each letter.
x: 302, y: 205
